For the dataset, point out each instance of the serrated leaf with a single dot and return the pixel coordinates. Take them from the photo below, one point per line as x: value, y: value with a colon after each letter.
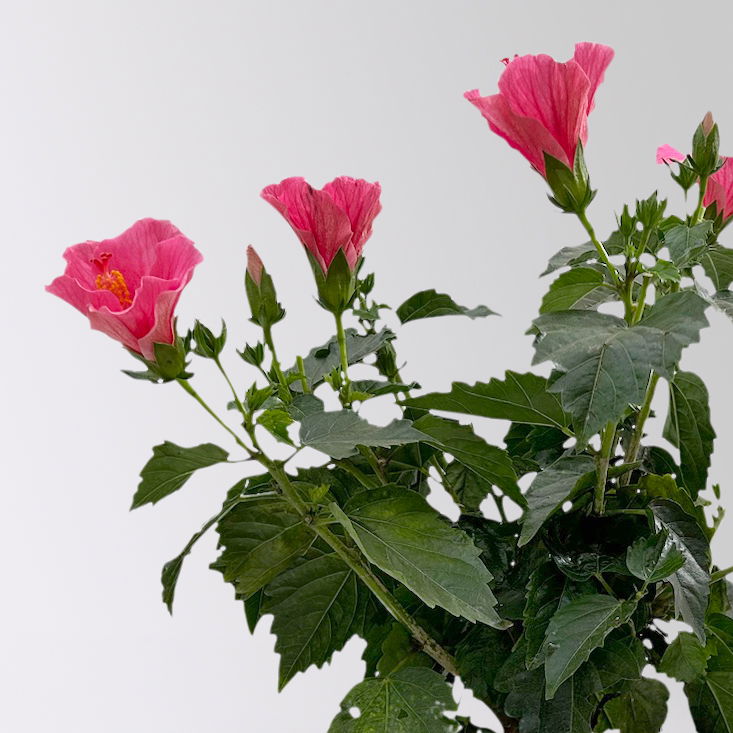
x: 718, y: 265
x: 653, y: 558
x: 569, y: 256
x: 641, y: 708
x: 534, y: 447
x: 723, y: 301
x: 550, y: 489
x: 375, y: 388
x: 339, y: 433
x: 686, y: 245
x: 521, y: 398
x: 605, y: 364
x: 413, y: 699
x: 405, y: 537
x: 317, y: 606
x: 711, y: 696
x: 398, y: 650
x: 479, y: 655
x: 324, y: 359
x: 576, y: 630
x: 621, y: 658
x: 490, y: 463
x: 261, y: 538
x: 430, y: 304
x: 685, y: 658
x: 468, y: 486
x: 688, y: 428
x: 691, y: 583
x: 253, y: 609
x: 276, y: 422
x: 581, y: 288
x: 170, y: 467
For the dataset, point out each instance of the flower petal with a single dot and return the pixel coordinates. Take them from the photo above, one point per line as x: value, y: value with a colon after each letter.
x: 668, y: 154
x: 360, y: 200
x: 594, y: 59
x: 720, y: 189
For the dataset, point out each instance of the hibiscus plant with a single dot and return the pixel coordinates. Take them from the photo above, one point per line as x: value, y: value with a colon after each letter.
x: 550, y: 619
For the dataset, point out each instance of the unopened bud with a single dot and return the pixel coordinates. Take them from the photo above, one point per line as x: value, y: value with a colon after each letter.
x: 707, y: 123
x: 254, y: 265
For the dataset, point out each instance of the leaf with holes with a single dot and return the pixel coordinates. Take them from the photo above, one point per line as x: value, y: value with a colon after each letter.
x: 405, y: 537
x: 430, y: 304
x: 412, y: 699
x: 170, y: 467
x: 686, y: 658
x: 641, y: 708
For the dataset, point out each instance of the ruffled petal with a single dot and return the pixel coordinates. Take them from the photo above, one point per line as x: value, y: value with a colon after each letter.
x: 359, y: 199
x: 668, y: 154
x: 524, y: 134
x: 720, y: 189
x: 554, y: 94
x: 594, y: 59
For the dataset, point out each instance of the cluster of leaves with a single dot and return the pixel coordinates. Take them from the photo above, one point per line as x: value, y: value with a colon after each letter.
x: 550, y: 619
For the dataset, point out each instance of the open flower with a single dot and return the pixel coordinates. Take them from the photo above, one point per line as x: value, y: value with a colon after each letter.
x: 720, y: 189
x: 129, y: 286
x: 543, y: 105
x: 336, y: 218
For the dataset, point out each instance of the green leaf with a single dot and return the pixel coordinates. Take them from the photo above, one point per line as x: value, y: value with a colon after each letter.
x: 606, y: 364
x: 374, y: 388
x: 718, y: 265
x: 654, y: 558
x: 405, y: 537
x: 413, y: 699
x: 170, y: 467
x: 711, y: 696
x: 576, y: 630
x: 521, y: 398
x: 581, y: 288
x: 534, y: 447
x: 569, y: 256
x: 621, y: 658
x: 429, y: 304
x: 666, y: 272
x: 479, y: 656
x: 261, y: 538
x: 691, y: 583
x: 551, y: 488
x: 686, y: 245
x: 339, y: 433
x: 641, y: 708
x: 304, y: 405
x: 688, y: 428
x: 686, y: 658
x: 253, y: 609
x: 398, y: 650
x: 468, y: 486
x: 324, y: 359
x: 723, y: 301
x: 488, y: 462
x: 317, y: 606
x: 276, y: 422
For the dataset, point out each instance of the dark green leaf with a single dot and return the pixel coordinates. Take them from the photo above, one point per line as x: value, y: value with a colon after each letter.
x: 621, y: 658
x: 479, y: 655
x: 534, y: 447
x: 339, y: 433
x: 253, y: 609
x: 711, y: 696
x: 576, y: 630
x: 429, y: 304
x: 654, y: 558
x: 569, y: 256
x: 718, y: 265
x: 170, y: 467
x: 581, y: 288
x: 374, y: 388
x: 686, y: 658
x: 641, y: 708
x: 261, y: 538
x: 551, y: 488
x: 691, y: 583
x: 470, y: 489
x: 688, y: 428
x: 490, y: 463
x: 317, y: 606
x: 405, y: 537
x: 521, y: 398
x: 398, y: 650
x: 413, y: 699
x: 686, y: 245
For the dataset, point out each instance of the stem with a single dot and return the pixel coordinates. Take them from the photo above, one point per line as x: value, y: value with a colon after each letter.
x: 188, y: 388
x: 366, y: 481
x: 605, y: 585
x: 267, y: 332
x: 697, y: 216
x: 720, y: 574
x: 301, y: 374
x: 446, y: 484
x: 632, y: 451
x: 237, y: 401
x: 599, y: 246
x: 603, y: 460
x: 341, y: 336
x: 371, y: 457
x: 426, y: 642
x: 499, y: 505
x: 639, y: 312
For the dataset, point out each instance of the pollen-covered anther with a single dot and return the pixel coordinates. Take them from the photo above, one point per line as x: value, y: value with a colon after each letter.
x: 111, y: 280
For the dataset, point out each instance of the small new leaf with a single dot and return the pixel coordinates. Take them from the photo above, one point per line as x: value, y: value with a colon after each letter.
x: 430, y: 304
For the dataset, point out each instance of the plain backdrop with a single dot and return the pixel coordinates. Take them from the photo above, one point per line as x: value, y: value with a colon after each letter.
x: 184, y: 110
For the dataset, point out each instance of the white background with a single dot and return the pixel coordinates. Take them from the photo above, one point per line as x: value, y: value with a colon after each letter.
x: 184, y: 110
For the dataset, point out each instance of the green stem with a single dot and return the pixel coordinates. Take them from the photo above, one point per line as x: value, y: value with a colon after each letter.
x: 360, y: 568
x: 377, y: 467
x: 301, y: 374
x: 237, y: 401
x: 720, y: 574
x: 599, y: 246
x: 603, y: 460
x: 499, y: 504
x: 446, y: 484
x: 341, y: 337
x: 639, y: 311
x: 697, y: 215
x: 605, y: 585
x: 632, y: 452
x: 366, y: 481
x: 188, y: 388
x: 267, y: 332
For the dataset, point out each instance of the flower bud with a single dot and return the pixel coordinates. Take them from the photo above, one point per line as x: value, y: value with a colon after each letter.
x: 208, y: 345
x: 266, y: 311
x: 571, y: 189
x: 337, y: 286
x: 705, y: 144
